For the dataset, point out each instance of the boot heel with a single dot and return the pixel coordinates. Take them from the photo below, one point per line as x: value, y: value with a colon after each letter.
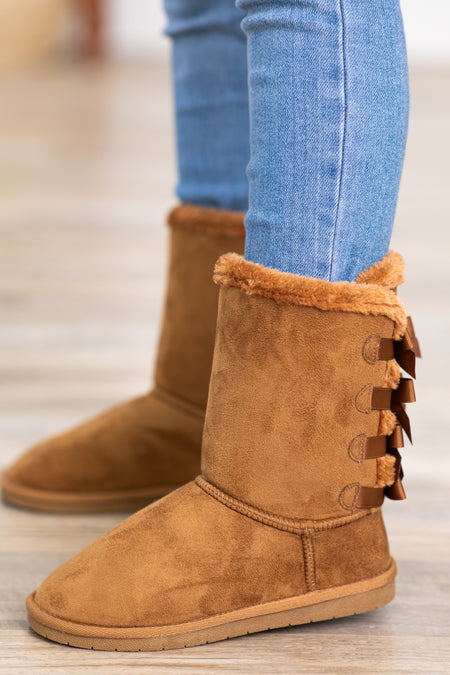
x: 351, y: 605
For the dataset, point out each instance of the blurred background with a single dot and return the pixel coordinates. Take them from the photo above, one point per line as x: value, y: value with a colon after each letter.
x: 87, y: 170
x: 33, y: 28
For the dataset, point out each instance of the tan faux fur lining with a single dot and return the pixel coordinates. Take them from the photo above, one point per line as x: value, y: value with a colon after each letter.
x: 340, y: 296
x: 214, y: 221
x: 388, y: 272
x: 392, y: 376
x: 387, y: 424
x: 388, y: 419
x: 385, y: 471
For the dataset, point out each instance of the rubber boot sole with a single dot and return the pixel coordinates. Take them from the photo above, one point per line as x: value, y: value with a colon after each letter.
x: 355, y: 598
x: 81, y: 502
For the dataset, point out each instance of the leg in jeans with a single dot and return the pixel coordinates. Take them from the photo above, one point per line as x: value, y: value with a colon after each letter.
x: 329, y: 100
x: 284, y: 525
x: 211, y: 101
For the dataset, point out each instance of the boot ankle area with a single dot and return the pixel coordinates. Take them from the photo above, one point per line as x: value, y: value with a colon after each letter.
x: 348, y: 553
x: 333, y: 552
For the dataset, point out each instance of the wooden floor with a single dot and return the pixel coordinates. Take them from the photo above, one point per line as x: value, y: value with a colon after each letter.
x: 86, y: 172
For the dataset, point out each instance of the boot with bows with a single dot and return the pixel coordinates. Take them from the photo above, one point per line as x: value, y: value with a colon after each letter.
x: 284, y: 524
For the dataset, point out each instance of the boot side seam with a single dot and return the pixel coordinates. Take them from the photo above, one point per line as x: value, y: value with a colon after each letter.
x: 292, y: 525
x: 309, y: 559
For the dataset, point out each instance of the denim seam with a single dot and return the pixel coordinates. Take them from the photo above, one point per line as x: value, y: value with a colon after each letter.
x: 344, y: 134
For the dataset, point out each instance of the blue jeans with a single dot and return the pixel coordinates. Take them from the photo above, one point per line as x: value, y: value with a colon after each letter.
x: 328, y: 103
x: 209, y: 59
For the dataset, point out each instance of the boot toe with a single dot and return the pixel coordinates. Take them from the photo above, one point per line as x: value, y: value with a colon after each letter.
x: 124, y: 458
x: 183, y: 558
x: 34, y: 470
x: 75, y: 460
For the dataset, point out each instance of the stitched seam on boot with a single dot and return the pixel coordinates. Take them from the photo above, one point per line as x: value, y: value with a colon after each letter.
x: 357, y: 448
x: 292, y: 525
x: 371, y: 348
x: 363, y: 399
x: 352, y: 489
x: 177, y: 402
x: 309, y: 561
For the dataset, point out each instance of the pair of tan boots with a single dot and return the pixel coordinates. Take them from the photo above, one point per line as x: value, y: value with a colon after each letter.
x: 286, y: 461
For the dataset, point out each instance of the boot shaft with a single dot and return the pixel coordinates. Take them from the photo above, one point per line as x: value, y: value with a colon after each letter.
x: 300, y: 390
x: 198, y: 236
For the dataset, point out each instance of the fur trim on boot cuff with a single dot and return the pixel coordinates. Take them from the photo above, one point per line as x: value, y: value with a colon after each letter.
x: 373, y: 297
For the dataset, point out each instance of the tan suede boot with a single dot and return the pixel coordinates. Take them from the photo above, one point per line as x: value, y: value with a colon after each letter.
x: 146, y: 447
x: 284, y: 525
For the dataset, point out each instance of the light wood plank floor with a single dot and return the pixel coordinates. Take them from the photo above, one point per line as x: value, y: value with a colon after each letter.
x: 86, y: 162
